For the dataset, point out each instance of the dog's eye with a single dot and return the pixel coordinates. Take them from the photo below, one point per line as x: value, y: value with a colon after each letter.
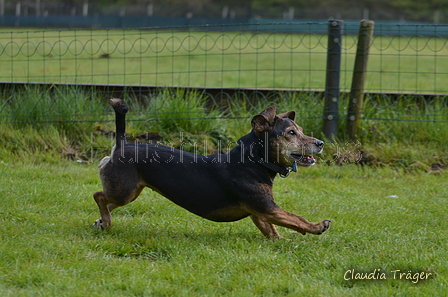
x: 292, y: 132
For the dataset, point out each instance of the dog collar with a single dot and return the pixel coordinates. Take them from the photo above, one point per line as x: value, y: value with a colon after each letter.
x: 281, y: 170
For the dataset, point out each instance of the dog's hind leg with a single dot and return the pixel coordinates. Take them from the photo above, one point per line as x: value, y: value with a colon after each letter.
x: 105, y: 219
x: 108, y: 202
x: 267, y: 229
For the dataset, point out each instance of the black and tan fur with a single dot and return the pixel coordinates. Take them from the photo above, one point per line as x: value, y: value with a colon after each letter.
x: 222, y: 188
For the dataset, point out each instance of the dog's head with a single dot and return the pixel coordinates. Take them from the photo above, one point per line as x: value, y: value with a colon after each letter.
x: 286, y: 141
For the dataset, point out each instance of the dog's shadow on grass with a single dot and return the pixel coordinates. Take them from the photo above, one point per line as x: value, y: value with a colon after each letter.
x: 162, y: 243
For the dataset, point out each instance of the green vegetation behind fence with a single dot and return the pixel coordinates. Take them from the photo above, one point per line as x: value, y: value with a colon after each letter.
x: 277, y: 57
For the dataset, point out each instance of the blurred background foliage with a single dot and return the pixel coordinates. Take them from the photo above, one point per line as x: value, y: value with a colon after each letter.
x: 434, y: 11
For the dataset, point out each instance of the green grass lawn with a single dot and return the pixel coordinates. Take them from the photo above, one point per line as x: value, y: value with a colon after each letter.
x: 382, y: 219
x: 216, y: 59
x: 385, y: 218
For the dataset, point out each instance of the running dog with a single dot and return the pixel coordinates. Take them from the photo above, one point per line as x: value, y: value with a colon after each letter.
x: 221, y: 187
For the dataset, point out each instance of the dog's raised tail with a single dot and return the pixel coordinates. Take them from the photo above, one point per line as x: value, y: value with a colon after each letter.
x: 120, y: 120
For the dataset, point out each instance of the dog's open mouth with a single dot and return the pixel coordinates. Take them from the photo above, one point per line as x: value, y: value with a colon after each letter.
x: 304, y: 160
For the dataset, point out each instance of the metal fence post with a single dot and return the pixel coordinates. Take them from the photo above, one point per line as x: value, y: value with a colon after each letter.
x: 355, y: 104
x: 331, y: 114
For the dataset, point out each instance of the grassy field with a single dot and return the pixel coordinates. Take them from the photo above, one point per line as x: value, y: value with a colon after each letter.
x: 216, y: 59
x: 383, y: 219
x: 388, y: 216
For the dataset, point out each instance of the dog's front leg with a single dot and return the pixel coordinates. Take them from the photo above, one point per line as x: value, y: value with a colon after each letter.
x: 266, y: 228
x: 286, y: 219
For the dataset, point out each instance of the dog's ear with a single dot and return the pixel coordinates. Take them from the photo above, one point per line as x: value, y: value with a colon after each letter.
x: 264, y: 121
x: 290, y: 115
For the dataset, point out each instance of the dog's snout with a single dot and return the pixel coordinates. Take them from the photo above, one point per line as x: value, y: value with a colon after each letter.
x: 319, y: 143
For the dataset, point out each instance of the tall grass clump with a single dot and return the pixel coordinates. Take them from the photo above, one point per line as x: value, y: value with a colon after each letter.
x: 406, y: 131
x: 69, y: 109
x: 28, y: 144
x: 406, y: 119
x: 48, y: 122
x: 181, y: 118
x: 173, y: 111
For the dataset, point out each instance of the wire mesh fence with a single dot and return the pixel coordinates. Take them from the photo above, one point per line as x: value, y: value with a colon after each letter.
x: 230, y: 62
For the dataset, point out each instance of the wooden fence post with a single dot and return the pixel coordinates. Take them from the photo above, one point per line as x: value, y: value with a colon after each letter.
x: 331, y: 113
x: 355, y: 105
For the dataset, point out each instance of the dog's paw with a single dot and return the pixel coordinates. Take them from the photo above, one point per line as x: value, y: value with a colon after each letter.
x: 324, y: 225
x: 98, y: 224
